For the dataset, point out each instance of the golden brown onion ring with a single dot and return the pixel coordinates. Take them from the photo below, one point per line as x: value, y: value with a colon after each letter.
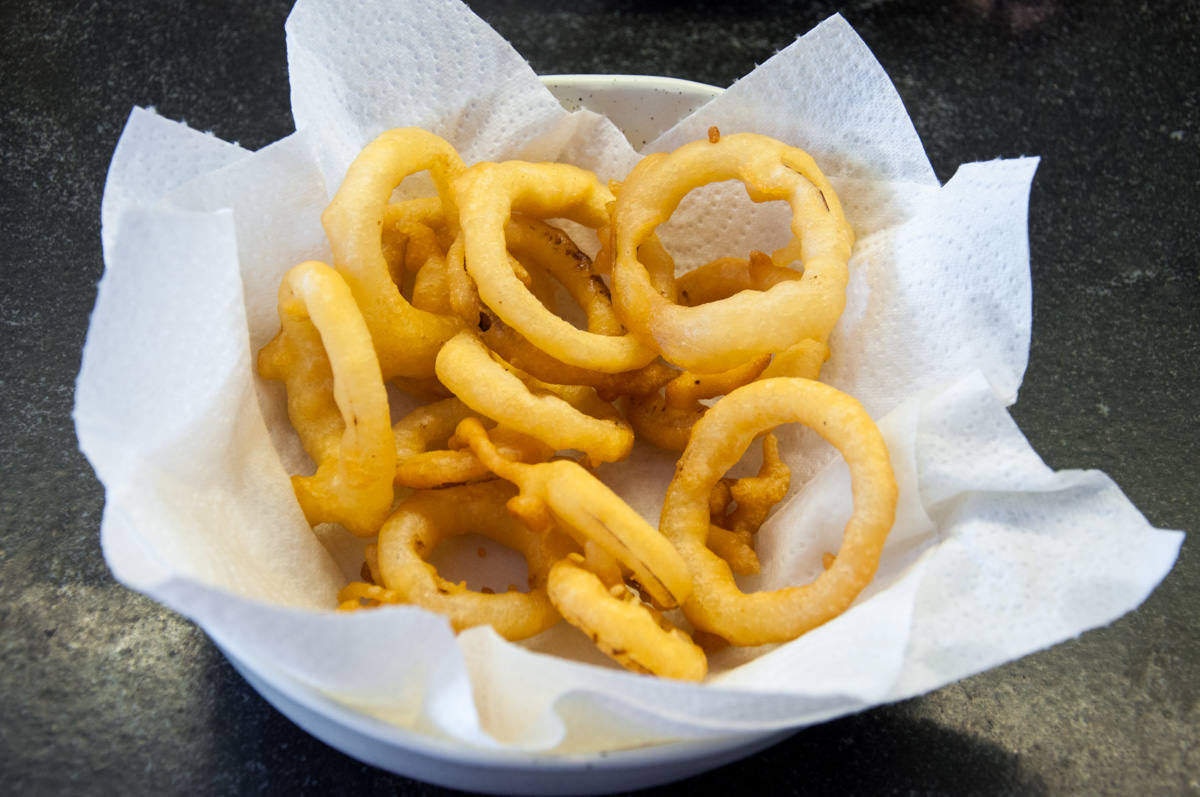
x: 721, y: 334
x: 563, y: 493
x: 510, y: 346
x: 406, y: 338
x: 488, y: 194
x: 718, y: 441
x: 549, y: 250
x: 622, y: 626
x: 421, y: 463
x: 336, y: 399
x: 726, y: 276
x: 564, y: 417
x: 427, y: 517
x: 666, y: 419
x: 731, y: 534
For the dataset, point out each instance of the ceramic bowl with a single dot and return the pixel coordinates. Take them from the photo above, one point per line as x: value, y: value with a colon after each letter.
x: 642, y: 107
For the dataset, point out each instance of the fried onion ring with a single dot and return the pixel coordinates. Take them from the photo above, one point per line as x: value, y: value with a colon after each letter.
x: 535, y: 243
x: 420, y: 465
x: 425, y: 518
x: 487, y: 194
x: 666, y: 419
x: 721, y: 334
x: 803, y: 360
x: 622, y: 626
x: 718, y: 441
x: 522, y: 355
x: 755, y: 495
x: 336, y: 399
x: 363, y: 595
x: 731, y: 534
x: 406, y: 338
x: 551, y: 251
x: 561, y: 492
x: 561, y: 416
x: 726, y: 276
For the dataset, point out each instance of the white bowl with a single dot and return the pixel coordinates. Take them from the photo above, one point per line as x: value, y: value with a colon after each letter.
x: 454, y: 765
x: 642, y: 107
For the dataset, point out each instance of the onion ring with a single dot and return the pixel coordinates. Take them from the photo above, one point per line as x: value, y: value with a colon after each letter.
x: 509, y: 345
x: 731, y: 534
x: 803, y: 360
x: 666, y: 419
x: 426, y: 261
x: 406, y: 338
x: 487, y: 194
x: 721, y: 334
x: 561, y: 492
x: 551, y: 251
x: 428, y: 210
x: 561, y: 416
x: 755, y: 495
x: 718, y: 440
x: 420, y: 465
x: 363, y: 594
x: 336, y: 399
x: 622, y: 626
x: 425, y: 518
x: 726, y: 276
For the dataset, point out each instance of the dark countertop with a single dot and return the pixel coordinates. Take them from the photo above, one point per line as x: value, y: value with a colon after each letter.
x: 103, y: 691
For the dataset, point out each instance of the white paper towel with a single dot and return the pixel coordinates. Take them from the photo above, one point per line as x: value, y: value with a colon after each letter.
x: 993, y: 555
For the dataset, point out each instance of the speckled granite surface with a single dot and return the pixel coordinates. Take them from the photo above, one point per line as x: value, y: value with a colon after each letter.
x: 102, y: 691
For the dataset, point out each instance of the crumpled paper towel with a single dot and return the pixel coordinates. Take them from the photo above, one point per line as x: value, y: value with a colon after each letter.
x: 993, y: 554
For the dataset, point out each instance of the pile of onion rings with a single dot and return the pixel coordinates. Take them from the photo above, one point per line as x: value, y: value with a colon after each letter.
x: 535, y: 362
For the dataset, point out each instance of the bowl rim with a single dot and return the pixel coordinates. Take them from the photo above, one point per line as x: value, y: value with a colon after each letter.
x: 624, y: 98
x: 660, y: 82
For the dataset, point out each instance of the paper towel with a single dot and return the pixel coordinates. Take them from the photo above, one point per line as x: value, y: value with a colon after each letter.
x: 194, y: 451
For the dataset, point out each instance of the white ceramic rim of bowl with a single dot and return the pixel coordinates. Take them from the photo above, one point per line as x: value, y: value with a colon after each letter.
x: 445, y: 762
x: 619, y: 98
